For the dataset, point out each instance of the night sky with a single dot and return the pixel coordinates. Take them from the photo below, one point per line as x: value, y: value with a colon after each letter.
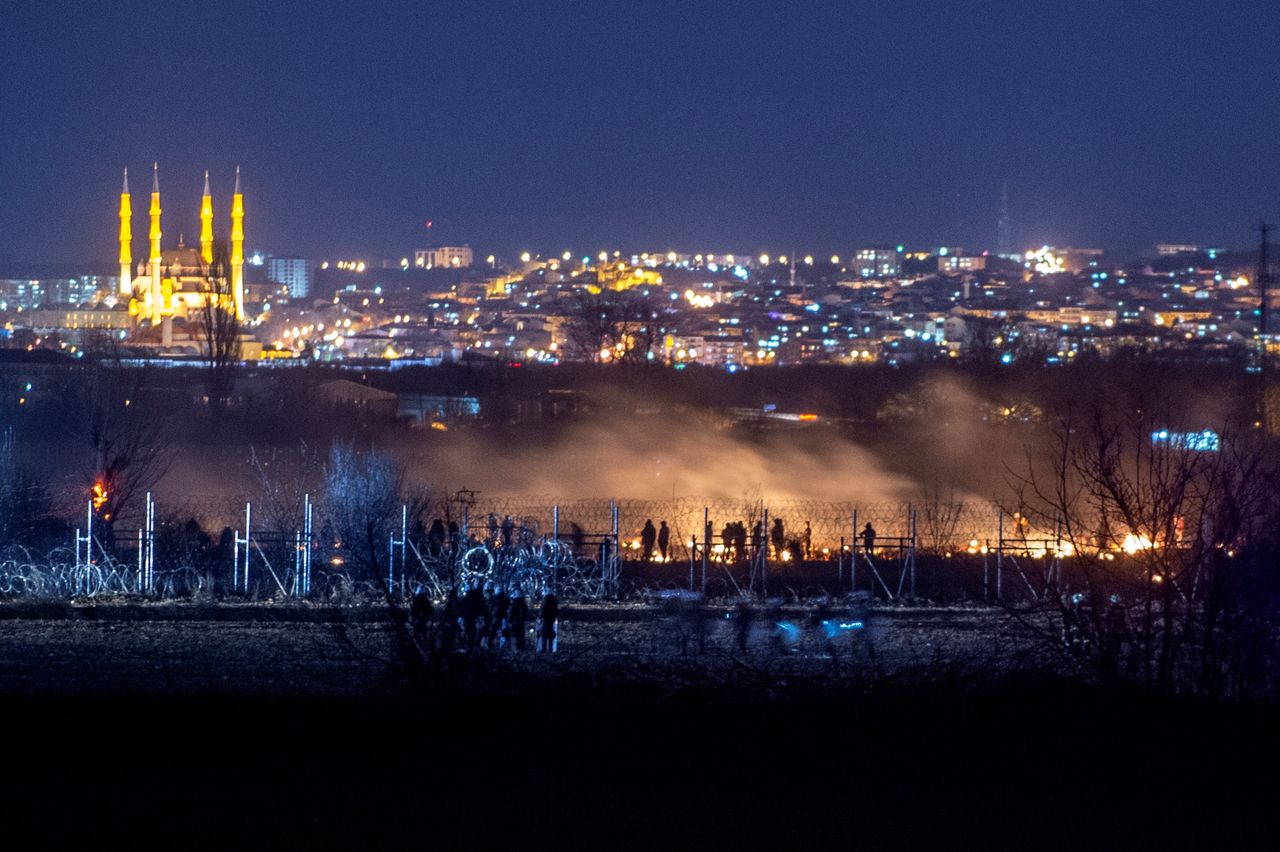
x: 700, y: 126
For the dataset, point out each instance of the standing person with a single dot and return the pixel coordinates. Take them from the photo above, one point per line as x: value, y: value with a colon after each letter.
x: 664, y: 539
x: 757, y: 538
x: 648, y: 536
x: 508, y: 527
x: 739, y: 541
x: 869, y: 539
x: 499, y: 606
x: 549, y: 615
x: 806, y: 539
x: 517, y: 617
x: 726, y: 541
x: 576, y: 538
x: 435, y: 538
x: 449, y: 621
x: 492, y: 541
x: 420, y: 616
x: 778, y: 536
x: 474, y: 608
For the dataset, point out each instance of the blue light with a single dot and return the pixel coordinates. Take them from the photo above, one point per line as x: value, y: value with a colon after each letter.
x: 790, y: 633
x: 1206, y: 441
x: 1006, y: 358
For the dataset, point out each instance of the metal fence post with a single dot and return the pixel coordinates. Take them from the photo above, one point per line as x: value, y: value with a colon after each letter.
x: 913, y: 554
x: 764, y: 554
x: 1000, y: 556
x: 706, y: 544
x: 853, y: 558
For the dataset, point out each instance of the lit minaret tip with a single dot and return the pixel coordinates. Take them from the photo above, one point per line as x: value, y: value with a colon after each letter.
x: 206, y: 223
x: 237, y: 248
x: 126, y: 239
x: 153, y: 261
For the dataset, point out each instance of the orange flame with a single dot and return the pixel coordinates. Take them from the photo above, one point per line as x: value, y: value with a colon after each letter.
x: 100, y: 494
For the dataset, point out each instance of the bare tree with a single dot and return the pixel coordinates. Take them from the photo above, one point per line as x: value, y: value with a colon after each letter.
x: 284, y: 480
x: 364, y: 492
x: 591, y: 327
x: 105, y: 406
x: 219, y: 328
x: 25, y: 502
x: 1164, y: 534
x: 614, y: 327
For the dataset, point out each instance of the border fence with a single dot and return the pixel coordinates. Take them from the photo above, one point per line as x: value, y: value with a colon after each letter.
x: 580, y: 549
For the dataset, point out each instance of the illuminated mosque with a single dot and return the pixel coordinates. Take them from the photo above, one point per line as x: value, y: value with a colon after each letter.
x: 175, y: 282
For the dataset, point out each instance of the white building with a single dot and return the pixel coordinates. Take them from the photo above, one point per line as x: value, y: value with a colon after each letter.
x: 293, y: 272
x: 454, y: 257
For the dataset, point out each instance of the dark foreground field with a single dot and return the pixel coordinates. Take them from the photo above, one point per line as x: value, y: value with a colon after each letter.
x: 530, y: 757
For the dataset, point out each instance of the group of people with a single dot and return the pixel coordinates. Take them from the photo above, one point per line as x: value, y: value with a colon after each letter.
x: 734, y: 545
x: 649, y: 536
x: 474, y: 620
x: 733, y: 541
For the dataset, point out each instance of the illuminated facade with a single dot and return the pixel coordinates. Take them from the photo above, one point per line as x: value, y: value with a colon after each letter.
x: 448, y: 257
x: 878, y: 263
x: 295, y: 273
x: 174, y: 282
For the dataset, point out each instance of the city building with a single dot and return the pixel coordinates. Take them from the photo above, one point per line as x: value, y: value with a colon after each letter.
x: 293, y: 273
x: 954, y: 264
x: 448, y: 257
x: 29, y: 293
x: 879, y: 262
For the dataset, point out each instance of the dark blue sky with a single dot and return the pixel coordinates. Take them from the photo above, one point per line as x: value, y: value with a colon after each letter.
x: 695, y: 125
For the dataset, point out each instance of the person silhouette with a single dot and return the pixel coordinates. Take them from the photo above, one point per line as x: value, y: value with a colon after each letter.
x: 549, y: 615
x: 648, y: 536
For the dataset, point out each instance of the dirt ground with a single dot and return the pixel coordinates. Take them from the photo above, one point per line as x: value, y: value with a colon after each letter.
x: 277, y: 651
x: 254, y: 726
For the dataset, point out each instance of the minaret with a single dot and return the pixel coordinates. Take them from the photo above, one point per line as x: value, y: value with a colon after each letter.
x: 153, y: 262
x: 237, y: 248
x: 126, y: 239
x: 206, y: 223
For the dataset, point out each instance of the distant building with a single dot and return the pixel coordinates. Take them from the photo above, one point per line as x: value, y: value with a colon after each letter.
x: 77, y: 318
x: 295, y: 273
x: 1167, y: 249
x: 448, y: 257
x: 882, y: 262
x: 1078, y: 259
x: 954, y: 264
x: 28, y: 293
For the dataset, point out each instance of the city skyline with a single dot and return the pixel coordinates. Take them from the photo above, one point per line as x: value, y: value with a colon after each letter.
x: 827, y: 127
